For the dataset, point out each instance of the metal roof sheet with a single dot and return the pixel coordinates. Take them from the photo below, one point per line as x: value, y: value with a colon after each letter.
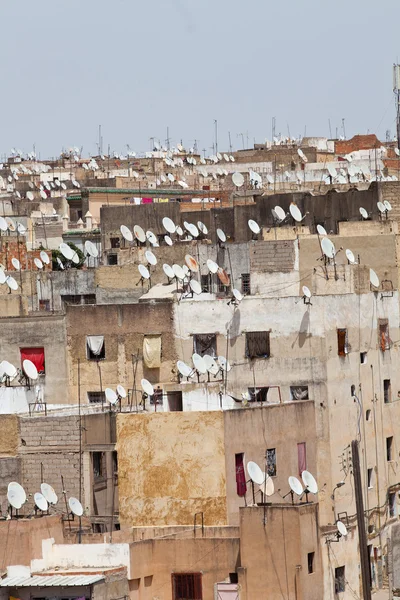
x: 50, y: 580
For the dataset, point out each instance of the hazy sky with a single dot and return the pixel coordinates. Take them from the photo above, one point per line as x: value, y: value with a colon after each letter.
x: 138, y: 67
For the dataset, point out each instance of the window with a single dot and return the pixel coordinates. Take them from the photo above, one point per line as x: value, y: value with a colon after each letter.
x: 186, y: 586
x: 241, y: 486
x: 96, y: 397
x: 258, y: 394
x: 383, y: 332
x: 387, y: 391
x: 310, y: 562
x: 115, y: 242
x: 389, y: 448
x: 353, y: 391
x: 44, y: 305
x: 112, y: 259
x: 299, y: 392
x: 35, y: 355
x: 368, y: 414
x: 245, y: 283
x: 79, y: 299
x: 115, y: 462
x: 257, y: 344
x: 205, y: 343
x: 302, y: 457
x: 369, y: 477
x: 340, y: 581
x: 271, y: 462
x: 233, y: 578
x: 206, y: 285
x: 343, y: 345
x: 392, y: 504
x: 97, y: 463
x: 363, y: 358
x: 175, y: 403
x: 95, y: 347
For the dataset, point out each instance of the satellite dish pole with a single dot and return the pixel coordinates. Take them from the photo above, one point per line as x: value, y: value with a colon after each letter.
x: 216, y: 135
x: 396, y: 90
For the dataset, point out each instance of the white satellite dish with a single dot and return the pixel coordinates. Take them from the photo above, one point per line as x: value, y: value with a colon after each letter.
x: 280, y: 213
x: 49, y: 493
x: 219, y: 156
x: 212, y: 266
x: 387, y: 205
x: 12, y: 284
x: 126, y: 233
x: 221, y: 235
x: 238, y: 179
x: 363, y: 213
x: 147, y: 387
x: 91, y: 249
x: 237, y: 295
x: 150, y: 257
x: 255, y: 473
x: 321, y: 230
x: 295, y: 212
x: 75, y: 506
x: 178, y: 272
x: 44, y: 257
x: 332, y: 171
x: 381, y: 207
x: 60, y: 264
x: 16, y: 495
x: 374, y: 279
x: 151, y: 238
x: 39, y: 263
x: 30, y: 195
x: 184, y: 369
x: 3, y: 277
x: 168, y: 240
x: 350, y: 257
x: 341, y: 527
x: 111, y: 396
x: 309, y: 482
x: 211, y: 365
x: 201, y: 227
x: 224, y: 364
x: 254, y: 226
x: 144, y: 272
x: 306, y: 291
x: 16, y: 264
x: 168, y: 271
x: 199, y: 363
x: 302, y: 155
x: 295, y: 485
x: 267, y: 487
x: 11, y: 224
x: 43, y: 194
x: 3, y: 224
x: 139, y: 233
x: 9, y: 369
x: 41, y: 502
x: 179, y: 230
x: 192, y: 229
x: 66, y: 251
x: 121, y: 391
x: 328, y: 248
x: 30, y: 369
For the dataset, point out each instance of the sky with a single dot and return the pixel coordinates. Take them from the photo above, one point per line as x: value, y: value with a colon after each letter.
x: 138, y: 68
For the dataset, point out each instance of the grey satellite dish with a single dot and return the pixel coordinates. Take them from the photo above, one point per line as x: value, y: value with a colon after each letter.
x: 184, y: 369
x: 350, y: 257
x: 381, y: 207
x: 49, y: 493
x: 147, y: 387
x: 202, y: 228
x: 306, y: 291
x: 199, y: 363
x: 16, y: 495
x: 363, y: 213
x: 254, y: 226
x: 75, y: 506
x: 387, y: 205
x: 211, y: 365
x: 212, y: 266
x: 224, y: 364
x: 280, y: 213
x: 295, y: 485
x: 111, y: 396
x: 328, y: 248
x: 309, y: 482
x: 295, y: 212
x: 151, y: 238
x: 39, y: 263
x: 16, y: 264
x: 168, y: 271
x: 267, y: 487
x: 178, y: 272
x: 44, y: 257
x: 91, y: 249
x: 30, y: 369
x: 139, y: 233
x: 321, y: 230
x: 144, y: 272
x: 374, y: 279
x: 237, y: 179
x: 341, y: 527
x: 221, y: 235
x: 3, y: 224
x: 41, y: 502
x: 168, y: 240
x: 126, y: 233
x: 150, y: 257
x: 255, y: 473
x: 12, y: 284
x: 66, y: 251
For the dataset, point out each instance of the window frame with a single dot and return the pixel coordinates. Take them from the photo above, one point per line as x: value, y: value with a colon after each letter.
x: 310, y: 562
x: 383, y: 335
x: 304, y: 388
x: 96, y: 357
x: 392, y: 504
x: 258, y: 394
x: 370, y: 474
x: 98, y: 460
x: 389, y: 448
x: 246, y: 283
x: 340, y: 579
x: 178, y: 579
x: 266, y: 342
x: 342, y: 341
x: 101, y: 395
x: 212, y: 346
x: 387, y: 391
x: 271, y: 470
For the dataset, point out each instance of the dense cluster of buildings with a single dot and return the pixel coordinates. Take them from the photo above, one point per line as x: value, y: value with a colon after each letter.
x: 295, y: 306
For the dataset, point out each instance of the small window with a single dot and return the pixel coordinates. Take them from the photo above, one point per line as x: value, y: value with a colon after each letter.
x: 392, y: 504
x: 353, y: 390
x: 115, y: 242
x: 299, y: 392
x: 241, y: 486
x: 258, y: 394
x: 302, y: 457
x: 271, y: 462
x: 387, y: 391
x: 96, y: 397
x: 175, y: 402
x: 257, y: 344
x: 186, y: 586
x: 383, y: 330
x: 205, y: 343
x: 98, y: 464
x: 310, y: 562
x: 233, y: 578
x: 206, y: 284
x: 245, y: 283
x: 389, y: 448
x: 88, y: 298
x: 368, y: 414
x: 115, y: 462
x: 343, y: 345
x: 112, y: 259
x: 340, y: 580
x: 363, y: 358
x: 369, y: 477
x: 95, y: 347
x: 44, y: 305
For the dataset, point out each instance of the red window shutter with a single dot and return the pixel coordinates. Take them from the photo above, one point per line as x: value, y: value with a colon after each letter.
x: 302, y: 457
x: 241, y: 487
x: 35, y: 355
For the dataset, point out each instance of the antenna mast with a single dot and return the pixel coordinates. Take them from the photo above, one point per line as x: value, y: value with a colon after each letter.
x: 396, y: 90
x: 216, y: 135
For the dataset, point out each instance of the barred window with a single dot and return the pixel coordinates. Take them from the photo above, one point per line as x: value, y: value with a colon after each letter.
x: 257, y: 344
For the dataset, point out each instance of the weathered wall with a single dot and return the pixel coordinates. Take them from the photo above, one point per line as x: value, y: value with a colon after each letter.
x: 9, y: 435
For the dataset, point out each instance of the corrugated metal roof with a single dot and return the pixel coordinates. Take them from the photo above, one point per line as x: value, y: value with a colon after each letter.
x: 50, y: 580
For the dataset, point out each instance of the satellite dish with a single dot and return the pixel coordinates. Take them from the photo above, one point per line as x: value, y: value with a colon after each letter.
x: 341, y: 527
x: 192, y: 229
x: 219, y: 156
x: 211, y: 365
x: 3, y: 224
x: 43, y: 194
x: 321, y: 230
x: 179, y: 230
x: 30, y: 369
x: 39, y: 263
x: 60, y: 264
x: 387, y: 205
x: 363, y: 213
x: 139, y: 233
x: 147, y: 387
x: 255, y: 228
x: 195, y: 286
x: 381, y: 207
x: 3, y: 277
x: 41, y: 502
x: 350, y: 257
x: 202, y: 228
x: 192, y: 263
x: 223, y: 276
x: 9, y: 369
x: 168, y: 271
x: 295, y: 212
x: 221, y: 235
x: 121, y: 391
x: 75, y: 258
x: 12, y: 284
x: 212, y: 266
x: 306, y: 291
x: 66, y: 251
x: 224, y: 364
x: 111, y: 396
x: 91, y: 249
x: 199, y: 363
x: 44, y: 257
x: 178, y: 272
x: 302, y: 155
x: 16, y: 264
x: 11, y: 224
x: 309, y: 482
x: 126, y: 233
x: 237, y: 295
x: 151, y: 238
x: 374, y: 279
x: 238, y: 179
x: 255, y: 473
x: 30, y: 195
x: 327, y: 247
x: 16, y: 495
x: 168, y: 240
x: 150, y: 257
x: 184, y: 369
x: 295, y: 485
x: 267, y: 487
x: 332, y: 171
x: 144, y: 272
x: 49, y: 493
x: 75, y: 506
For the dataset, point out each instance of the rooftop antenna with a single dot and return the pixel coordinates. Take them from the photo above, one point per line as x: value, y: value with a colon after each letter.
x: 273, y: 128
x: 230, y: 142
x: 167, y: 141
x: 216, y: 135
x: 242, y: 136
x: 343, y: 129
